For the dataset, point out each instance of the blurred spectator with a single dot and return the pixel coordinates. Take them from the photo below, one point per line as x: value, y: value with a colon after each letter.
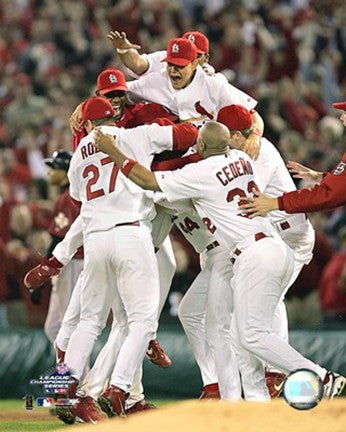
x: 332, y: 287
x: 303, y: 305
x: 25, y: 109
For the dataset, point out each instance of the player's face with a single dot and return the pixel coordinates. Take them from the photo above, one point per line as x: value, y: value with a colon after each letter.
x: 56, y: 176
x: 181, y: 76
x: 237, y: 140
x: 202, y: 58
x: 117, y: 99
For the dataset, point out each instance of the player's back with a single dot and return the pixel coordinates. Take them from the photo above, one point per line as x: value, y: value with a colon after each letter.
x: 107, y: 196
x: 273, y: 176
x: 216, y: 184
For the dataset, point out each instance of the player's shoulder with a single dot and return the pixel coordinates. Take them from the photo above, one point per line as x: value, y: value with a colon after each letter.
x: 236, y: 154
x: 269, y: 150
x: 211, y: 78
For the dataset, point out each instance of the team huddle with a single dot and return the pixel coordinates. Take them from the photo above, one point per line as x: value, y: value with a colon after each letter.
x: 127, y: 197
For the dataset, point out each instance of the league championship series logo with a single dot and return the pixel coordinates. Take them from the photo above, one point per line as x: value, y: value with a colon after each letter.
x: 55, y: 386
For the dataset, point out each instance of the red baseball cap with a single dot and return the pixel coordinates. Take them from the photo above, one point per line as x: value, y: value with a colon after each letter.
x: 95, y: 108
x: 180, y: 52
x: 198, y: 38
x: 235, y: 117
x: 340, y: 105
x: 111, y: 80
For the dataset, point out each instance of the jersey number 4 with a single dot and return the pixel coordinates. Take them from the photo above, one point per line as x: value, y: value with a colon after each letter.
x: 95, y: 175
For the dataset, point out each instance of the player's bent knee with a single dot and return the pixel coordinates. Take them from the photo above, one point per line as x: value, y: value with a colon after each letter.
x: 91, y: 327
x: 147, y: 328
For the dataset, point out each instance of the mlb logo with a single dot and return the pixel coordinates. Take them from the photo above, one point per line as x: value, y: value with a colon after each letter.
x: 191, y: 37
x: 113, y: 79
x: 175, y: 48
x: 44, y: 402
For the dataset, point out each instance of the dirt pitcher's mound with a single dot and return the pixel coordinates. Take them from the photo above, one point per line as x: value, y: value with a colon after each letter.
x: 195, y: 416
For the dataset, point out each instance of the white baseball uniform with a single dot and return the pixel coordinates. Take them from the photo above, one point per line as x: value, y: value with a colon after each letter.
x: 116, y: 215
x: 210, y: 93
x: 215, y: 185
x: 299, y: 234
x: 274, y: 179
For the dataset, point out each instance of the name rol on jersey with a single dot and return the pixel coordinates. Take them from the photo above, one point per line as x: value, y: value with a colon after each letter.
x: 233, y: 170
x: 88, y: 150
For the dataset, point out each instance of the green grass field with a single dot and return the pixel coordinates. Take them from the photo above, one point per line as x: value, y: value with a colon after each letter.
x: 14, y: 417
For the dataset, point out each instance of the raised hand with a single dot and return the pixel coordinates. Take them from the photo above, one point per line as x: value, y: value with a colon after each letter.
x: 120, y: 41
x: 300, y: 171
x: 76, y: 120
x: 105, y: 143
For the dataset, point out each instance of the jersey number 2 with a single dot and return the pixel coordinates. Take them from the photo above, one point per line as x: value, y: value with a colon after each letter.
x: 95, y: 175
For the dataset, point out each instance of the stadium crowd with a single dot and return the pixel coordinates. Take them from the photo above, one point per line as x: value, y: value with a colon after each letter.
x: 290, y: 55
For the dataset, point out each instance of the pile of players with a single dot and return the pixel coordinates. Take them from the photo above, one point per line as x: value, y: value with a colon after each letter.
x: 177, y: 145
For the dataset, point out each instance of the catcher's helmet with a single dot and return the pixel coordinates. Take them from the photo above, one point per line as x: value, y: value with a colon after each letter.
x: 60, y: 160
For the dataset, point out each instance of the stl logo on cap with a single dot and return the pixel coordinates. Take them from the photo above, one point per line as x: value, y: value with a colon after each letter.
x: 192, y: 38
x: 113, y: 79
x: 175, y: 48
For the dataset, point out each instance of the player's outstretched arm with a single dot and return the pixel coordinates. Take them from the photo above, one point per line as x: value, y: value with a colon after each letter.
x: 129, y: 167
x: 128, y: 52
x: 259, y: 205
x: 300, y: 171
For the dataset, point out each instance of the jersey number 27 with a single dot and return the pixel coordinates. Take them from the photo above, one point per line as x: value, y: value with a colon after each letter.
x: 95, y: 175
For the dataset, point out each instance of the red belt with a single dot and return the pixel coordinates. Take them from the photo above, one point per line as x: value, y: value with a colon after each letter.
x: 213, y: 245
x: 135, y: 223
x: 237, y: 252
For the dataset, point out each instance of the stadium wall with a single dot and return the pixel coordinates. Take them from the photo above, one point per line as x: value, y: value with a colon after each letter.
x: 27, y: 354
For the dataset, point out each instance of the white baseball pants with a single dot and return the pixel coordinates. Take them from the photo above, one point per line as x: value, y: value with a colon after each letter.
x: 261, y: 276
x: 121, y: 269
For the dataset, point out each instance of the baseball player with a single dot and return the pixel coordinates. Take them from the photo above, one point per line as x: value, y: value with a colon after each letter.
x: 87, y: 177
x: 141, y: 64
x: 297, y: 232
x: 111, y: 84
x: 328, y: 194
x: 215, y: 184
x: 64, y: 277
x: 187, y: 91
x: 205, y: 302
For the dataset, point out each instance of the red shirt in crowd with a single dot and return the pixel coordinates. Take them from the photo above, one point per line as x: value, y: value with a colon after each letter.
x: 65, y: 212
x: 332, y: 295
